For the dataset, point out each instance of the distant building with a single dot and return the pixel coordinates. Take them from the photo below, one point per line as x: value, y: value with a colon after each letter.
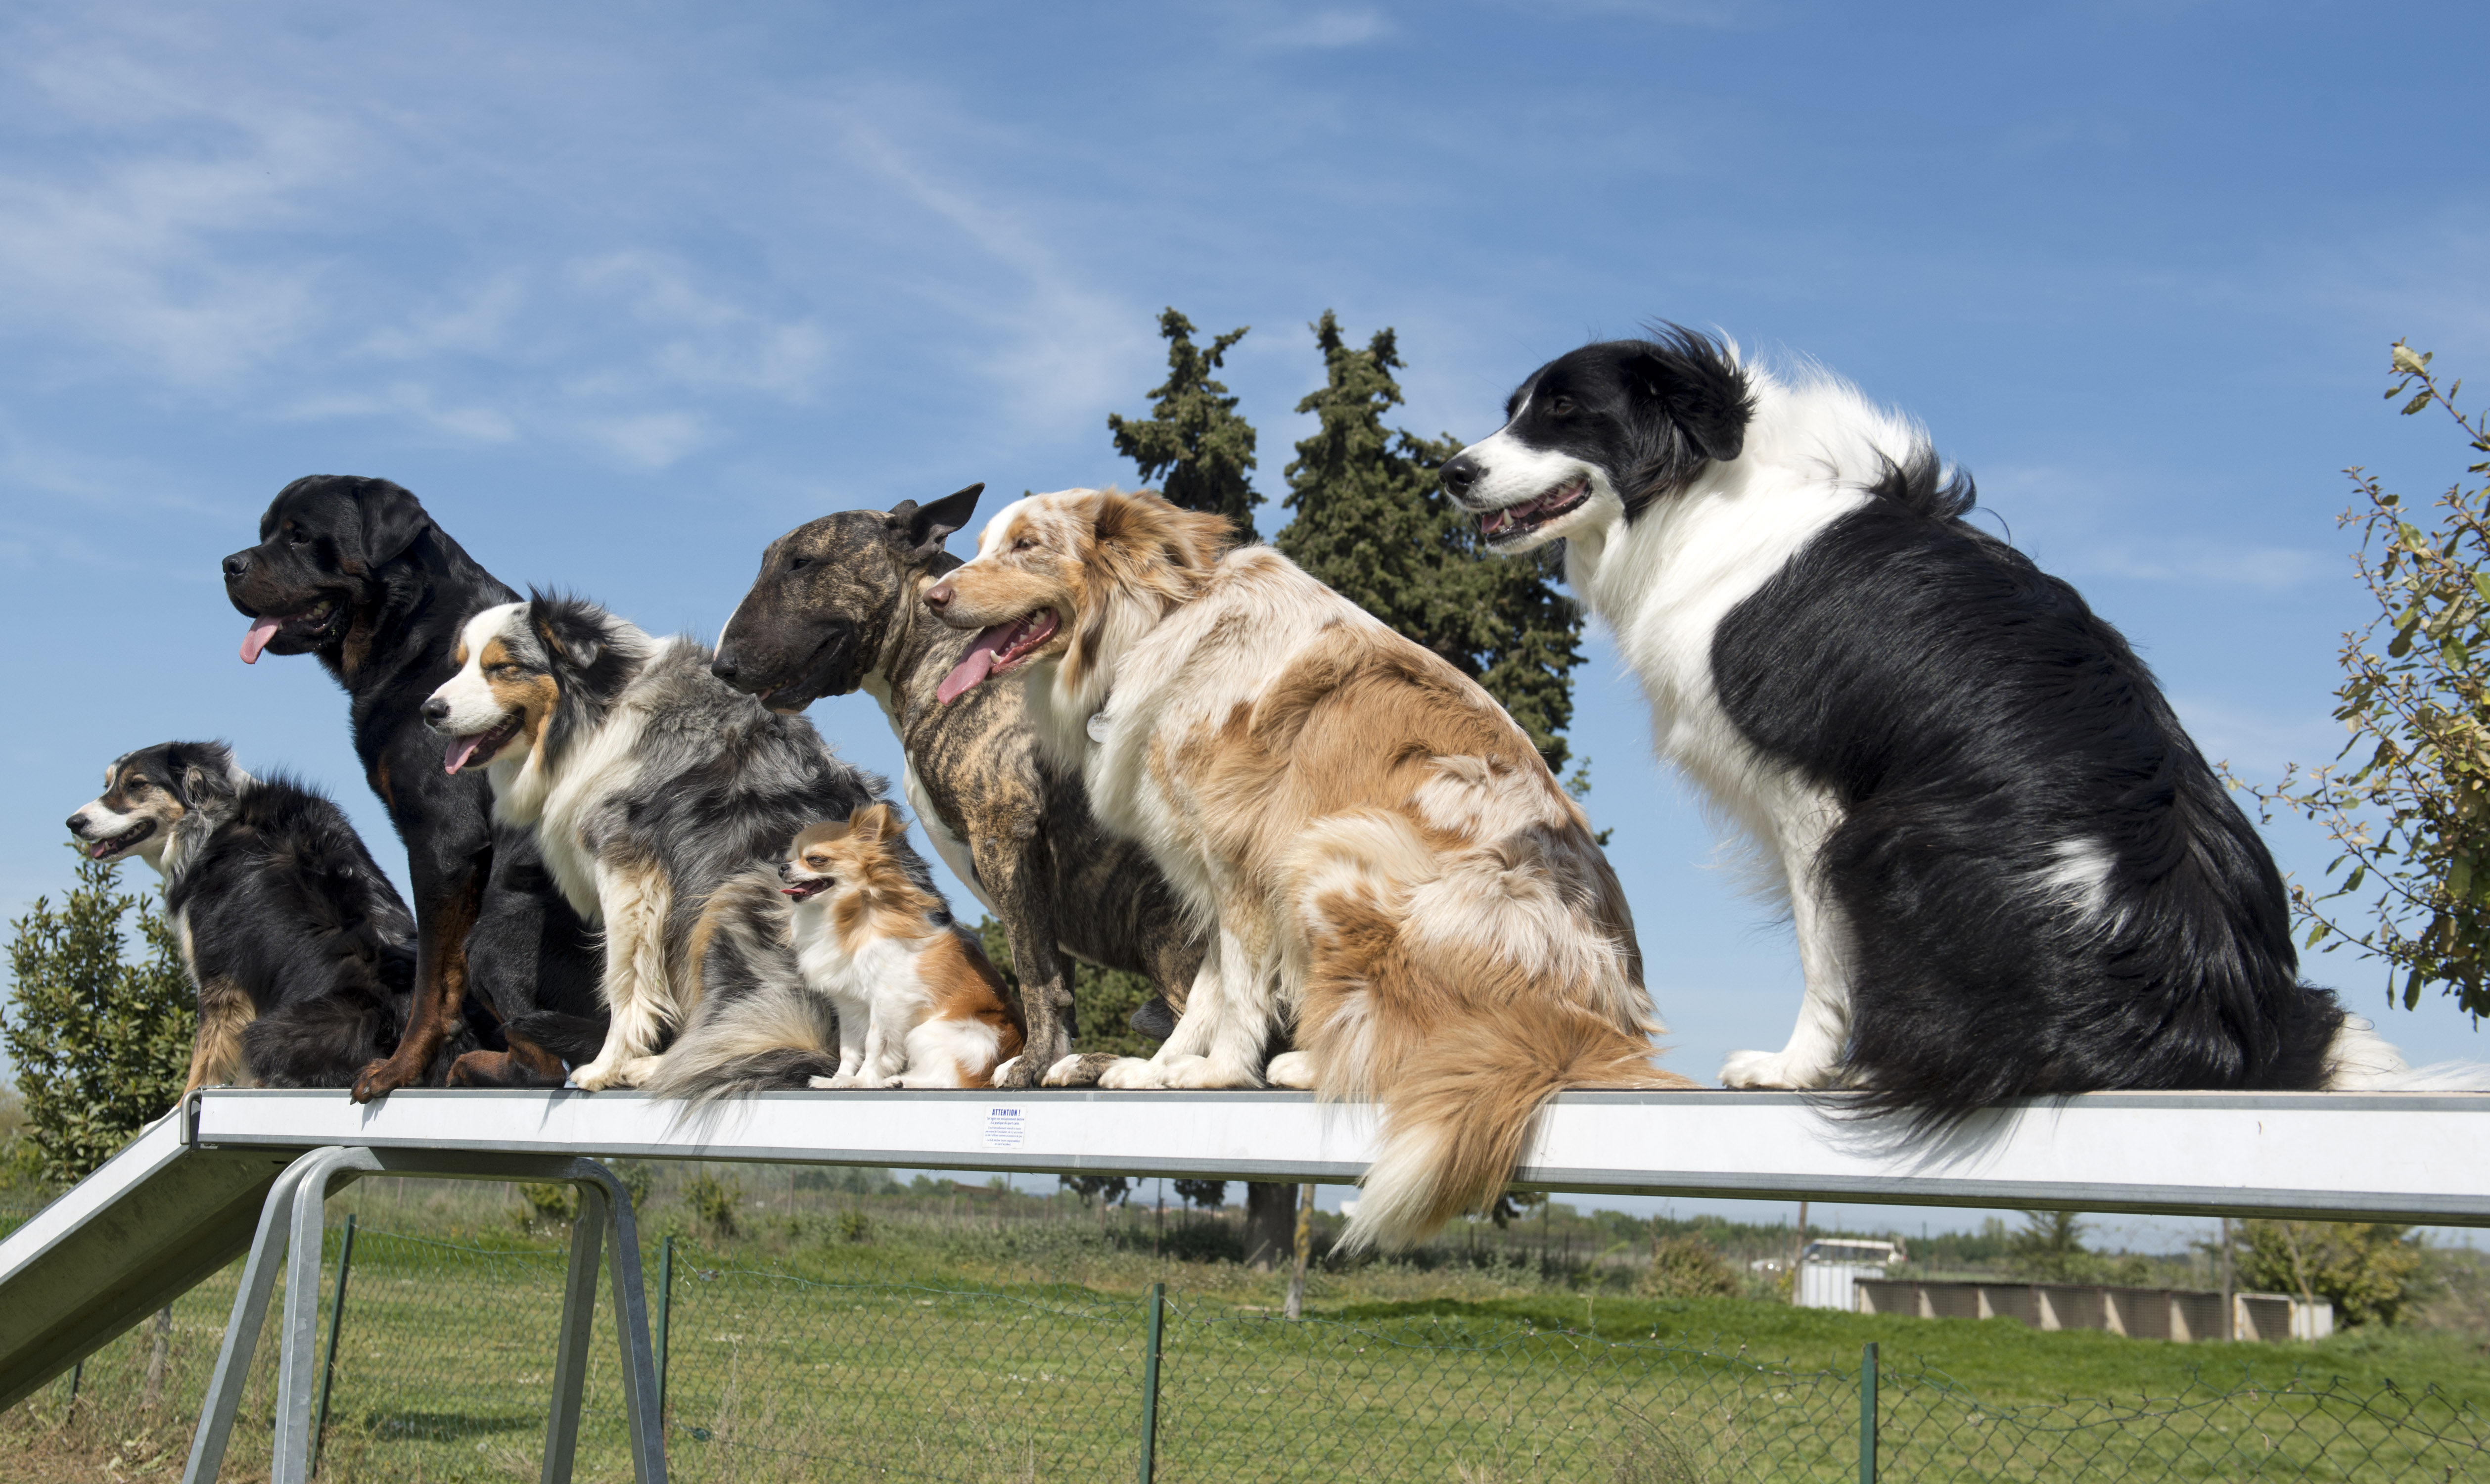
x: 1830, y: 1269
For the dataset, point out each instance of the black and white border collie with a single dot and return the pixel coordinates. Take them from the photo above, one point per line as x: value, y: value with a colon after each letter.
x: 2010, y: 870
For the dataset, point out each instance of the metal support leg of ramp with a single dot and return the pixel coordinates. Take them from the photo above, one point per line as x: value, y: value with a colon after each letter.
x: 290, y: 1223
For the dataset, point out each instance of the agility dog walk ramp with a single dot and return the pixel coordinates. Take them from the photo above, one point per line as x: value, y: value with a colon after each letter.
x: 2401, y: 1156
x: 185, y: 1198
x: 152, y: 1222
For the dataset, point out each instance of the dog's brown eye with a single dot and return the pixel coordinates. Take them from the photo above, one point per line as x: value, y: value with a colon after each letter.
x: 134, y: 787
x: 799, y: 563
x: 1561, y: 407
x: 1023, y: 545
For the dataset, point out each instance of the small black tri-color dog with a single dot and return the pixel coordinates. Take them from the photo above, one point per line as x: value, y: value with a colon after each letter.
x: 301, y: 950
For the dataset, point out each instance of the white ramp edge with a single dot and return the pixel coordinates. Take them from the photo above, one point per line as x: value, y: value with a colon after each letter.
x: 2403, y: 1156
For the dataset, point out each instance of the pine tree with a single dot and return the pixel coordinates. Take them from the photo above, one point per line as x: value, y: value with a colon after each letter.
x: 1373, y: 522
x: 101, y: 1045
x: 1194, y: 445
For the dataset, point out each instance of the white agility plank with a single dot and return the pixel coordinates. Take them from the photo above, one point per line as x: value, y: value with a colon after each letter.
x: 2414, y: 1156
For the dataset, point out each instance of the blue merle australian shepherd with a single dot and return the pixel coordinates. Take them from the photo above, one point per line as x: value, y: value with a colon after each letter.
x: 2010, y: 870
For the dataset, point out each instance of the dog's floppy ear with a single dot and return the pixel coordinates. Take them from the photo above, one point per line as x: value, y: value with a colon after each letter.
x: 1693, y: 380
x: 392, y: 517
x: 923, y: 527
x: 567, y: 634
x: 201, y: 770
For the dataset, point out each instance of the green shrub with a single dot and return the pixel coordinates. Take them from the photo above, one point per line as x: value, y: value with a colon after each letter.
x: 1687, y: 1268
x: 101, y: 1045
x: 2367, y: 1269
x: 713, y: 1202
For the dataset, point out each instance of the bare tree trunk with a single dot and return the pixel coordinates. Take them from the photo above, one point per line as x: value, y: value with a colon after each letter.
x: 159, y: 1351
x: 1270, y: 1221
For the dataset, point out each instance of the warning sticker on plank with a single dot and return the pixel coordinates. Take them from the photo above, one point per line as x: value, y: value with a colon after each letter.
x: 1006, y: 1128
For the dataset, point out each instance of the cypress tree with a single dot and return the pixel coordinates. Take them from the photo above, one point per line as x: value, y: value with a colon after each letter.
x: 1372, y: 520
x: 1193, y: 445
x: 101, y: 1045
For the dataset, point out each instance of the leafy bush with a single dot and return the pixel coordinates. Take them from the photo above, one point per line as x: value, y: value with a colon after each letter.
x: 855, y: 1226
x: 2408, y: 798
x: 2368, y: 1270
x: 1687, y: 1268
x: 713, y: 1202
x: 547, y: 1207
x: 101, y: 1044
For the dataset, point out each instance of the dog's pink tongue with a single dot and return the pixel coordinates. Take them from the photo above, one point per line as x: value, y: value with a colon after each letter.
x: 973, y: 666
x: 262, y: 629
x: 455, y: 755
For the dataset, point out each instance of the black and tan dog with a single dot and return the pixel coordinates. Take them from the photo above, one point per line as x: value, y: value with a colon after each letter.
x: 301, y: 951
x: 354, y: 571
x: 835, y: 609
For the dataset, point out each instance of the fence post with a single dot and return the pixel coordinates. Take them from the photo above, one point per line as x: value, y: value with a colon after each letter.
x: 1867, y: 1413
x: 337, y: 1317
x: 1150, y: 1385
x: 665, y: 1309
x: 1305, y: 1245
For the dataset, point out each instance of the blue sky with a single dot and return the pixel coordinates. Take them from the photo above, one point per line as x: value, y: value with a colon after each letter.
x: 623, y: 291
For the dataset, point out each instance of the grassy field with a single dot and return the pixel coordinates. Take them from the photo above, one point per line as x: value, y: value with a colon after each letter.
x: 939, y: 1346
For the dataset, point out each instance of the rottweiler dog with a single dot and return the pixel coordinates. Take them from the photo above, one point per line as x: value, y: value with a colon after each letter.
x: 354, y: 571
x: 835, y: 609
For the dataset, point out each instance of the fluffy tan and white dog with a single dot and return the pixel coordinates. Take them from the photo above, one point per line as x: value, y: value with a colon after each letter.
x: 1385, y: 858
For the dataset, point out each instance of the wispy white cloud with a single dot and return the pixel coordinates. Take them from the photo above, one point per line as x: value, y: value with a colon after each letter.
x: 2085, y: 523
x: 1325, y: 31
x: 2200, y: 563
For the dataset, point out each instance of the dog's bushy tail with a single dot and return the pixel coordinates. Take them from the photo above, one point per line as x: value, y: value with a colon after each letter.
x: 1456, y: 1117
x: 756, y: 1028
x: 758, y: 1043
x: 1460, y: 993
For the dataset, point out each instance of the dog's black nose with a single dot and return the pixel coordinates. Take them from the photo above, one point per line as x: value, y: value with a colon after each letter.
x: 77, y: 822
x: 236, y: 565
x: 1460, y: 473
x: 723, y: 668
x: 436, y: 711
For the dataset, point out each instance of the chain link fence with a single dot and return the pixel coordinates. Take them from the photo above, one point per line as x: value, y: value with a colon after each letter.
x: 441, y: 1370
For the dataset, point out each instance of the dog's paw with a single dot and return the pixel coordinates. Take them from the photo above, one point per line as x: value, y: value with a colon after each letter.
x: 595, y: 1077
x: 1203, y: 1072
x: 1131, y: 1074
x: 1771, y: 1069
x: 635, y: 1072
x: 1291, y: 1070
x: 822, y: 1084
x: 379, y: 1079
x: 1007, y: 1073
x: 1079, y: 1069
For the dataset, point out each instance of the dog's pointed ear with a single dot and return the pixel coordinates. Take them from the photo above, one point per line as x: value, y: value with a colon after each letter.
x: 924, y: 527
x: 1697, y: 383
x: 876, y: 823
x: 392, y: 517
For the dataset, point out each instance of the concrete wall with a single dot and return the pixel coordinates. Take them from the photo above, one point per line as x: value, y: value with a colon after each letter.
x: 2182, y: 1315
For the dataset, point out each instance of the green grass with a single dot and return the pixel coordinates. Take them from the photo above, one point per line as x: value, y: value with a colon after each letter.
x: 978, y: 1352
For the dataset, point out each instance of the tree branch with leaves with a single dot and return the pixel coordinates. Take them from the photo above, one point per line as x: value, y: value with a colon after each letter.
x: 2408, y: 798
